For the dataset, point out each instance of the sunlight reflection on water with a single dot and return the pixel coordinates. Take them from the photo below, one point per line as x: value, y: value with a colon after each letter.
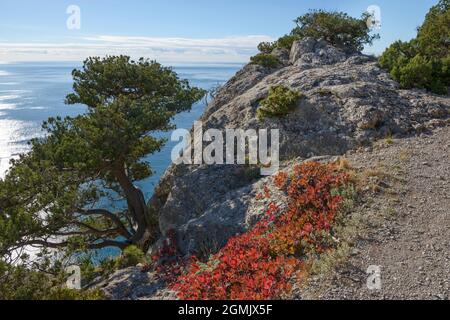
x: 10, y: 133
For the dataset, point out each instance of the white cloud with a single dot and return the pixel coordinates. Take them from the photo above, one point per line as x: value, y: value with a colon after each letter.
x: 182, y: 50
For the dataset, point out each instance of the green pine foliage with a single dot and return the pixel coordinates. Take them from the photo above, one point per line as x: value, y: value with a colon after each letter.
x: 266, y: 60
x: 423, y: 62
x: 338, y: 28
x: 62, y: 188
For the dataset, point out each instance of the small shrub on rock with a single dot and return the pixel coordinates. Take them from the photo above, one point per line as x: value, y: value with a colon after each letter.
x: 265, y: 60
x: 267, y: 47
x: 131, y: 256
x: 286, y: 41
x: 64, y: 294
x: 281, y: 101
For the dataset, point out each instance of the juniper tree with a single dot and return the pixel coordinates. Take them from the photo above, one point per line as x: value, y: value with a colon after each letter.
x: 60, y: 194
x: 338, y: 28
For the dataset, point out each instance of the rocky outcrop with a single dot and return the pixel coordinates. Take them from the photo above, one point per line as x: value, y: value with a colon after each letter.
x: 134, y: 284
x: 349, y: 103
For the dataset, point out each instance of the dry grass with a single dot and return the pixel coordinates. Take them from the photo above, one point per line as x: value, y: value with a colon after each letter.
x: 349, y: 226
x: 377, y: 172
x: 404, y: 155
x: 389, y: 141
x: 343, y: 164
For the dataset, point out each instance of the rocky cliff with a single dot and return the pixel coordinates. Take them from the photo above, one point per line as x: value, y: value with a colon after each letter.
x: 349, y: 103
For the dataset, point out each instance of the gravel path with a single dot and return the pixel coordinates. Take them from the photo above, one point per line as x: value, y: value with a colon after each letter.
x: 409, y: 233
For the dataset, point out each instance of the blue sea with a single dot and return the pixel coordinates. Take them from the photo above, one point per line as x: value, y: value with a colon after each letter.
x: 30, y: 93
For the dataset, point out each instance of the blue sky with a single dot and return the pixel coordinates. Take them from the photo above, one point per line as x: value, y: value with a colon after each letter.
x: 176, y: 30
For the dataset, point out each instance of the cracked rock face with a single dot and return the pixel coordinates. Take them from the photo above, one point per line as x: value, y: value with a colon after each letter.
x: 349, y: 103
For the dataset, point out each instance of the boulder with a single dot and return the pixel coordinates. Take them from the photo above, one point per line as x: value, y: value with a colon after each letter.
x: 133, y: 284
x: 309, y: 52
x: 300, y: 48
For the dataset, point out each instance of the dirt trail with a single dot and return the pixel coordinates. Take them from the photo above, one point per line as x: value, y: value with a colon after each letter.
x: 409, y: 236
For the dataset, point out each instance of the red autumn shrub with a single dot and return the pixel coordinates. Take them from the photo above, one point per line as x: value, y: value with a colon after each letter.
x: 259, y: 264
x: 311, y: 210
x: 166, y: 262
x: 243, y: 269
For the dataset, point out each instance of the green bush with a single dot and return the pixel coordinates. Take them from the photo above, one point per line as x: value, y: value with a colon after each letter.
x: 88, y: 269
x: 424, y: 61
x: 429, y: 74
x: 418, y: 72
x: 131, y: 256
x: 65, y: 294
x: 19, y: 283
x: 108, y: 265
x: 398, y: 55
x: 267, y: 47
x: 286, y: 41
x: 337, y: 28
x: 433, y: 36
x: 265, y: 60
x: 22, y: 283
x: 280, y: 101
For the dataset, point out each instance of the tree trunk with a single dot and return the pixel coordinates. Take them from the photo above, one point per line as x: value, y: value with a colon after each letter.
x: 145, y: 230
